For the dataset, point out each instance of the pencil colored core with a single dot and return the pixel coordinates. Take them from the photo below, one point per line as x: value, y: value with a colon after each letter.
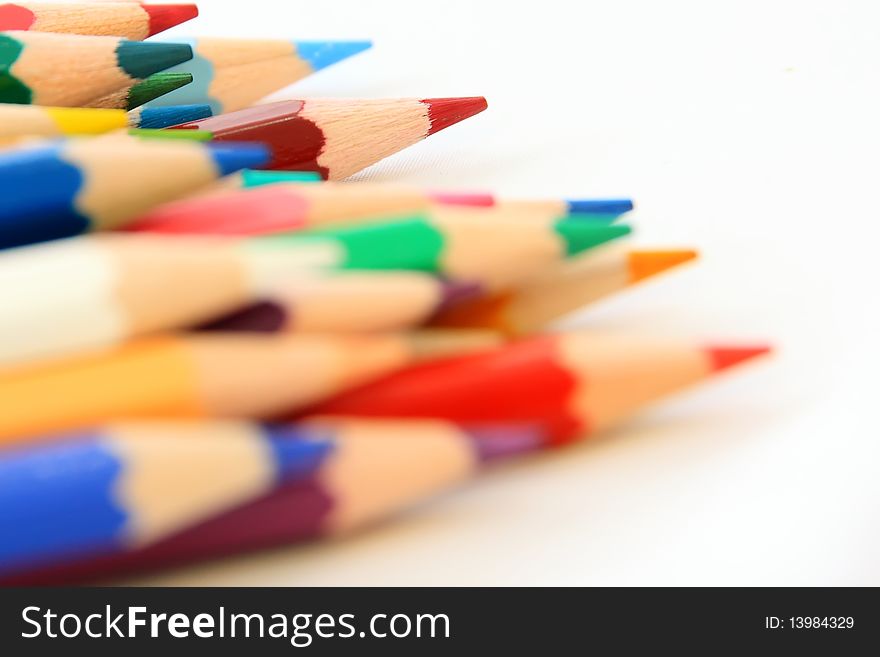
x: 444, y: 112
x: 163, y: 17
x: 725, y: 357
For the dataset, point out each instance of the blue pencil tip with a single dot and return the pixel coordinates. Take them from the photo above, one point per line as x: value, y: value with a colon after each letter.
x: 298, y: 450
x: 165, y: 117
x: 614, y: 206
x: 321, y: 54
x: 232, y: 157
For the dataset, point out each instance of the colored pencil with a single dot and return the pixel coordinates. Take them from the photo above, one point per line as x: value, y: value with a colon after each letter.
x: 32, y: 120
x: 256, y: 178
x: 254, y: 203
x: 91, y: 303
x: 495, y: 251
x: 129, y: 485
x: 249, y: 178
x: 347, y: 302
x: 132, y: 133
x: 99, y: 291
x: 132, y: 96
x: 18, y: 143
x: 571, y: 384
x: 162, y: 135
x: 165, y: 117
x: 337, y: 476
x: 282, y: 207
x: 128, y: 20
x: 338, y: 137
x: 61, y: 189
x: 612, y: 206
x: 67, y: 71
x: 231, y: 74
x: 561, y: 290
x: 230, y: 375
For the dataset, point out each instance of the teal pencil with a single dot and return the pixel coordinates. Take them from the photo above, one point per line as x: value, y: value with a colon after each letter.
x: 154, y: 118
x: 65, y: 70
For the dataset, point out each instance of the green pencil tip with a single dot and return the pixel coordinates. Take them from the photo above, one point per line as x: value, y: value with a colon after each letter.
x: 155, y: 86
x: 582, y: 235
x: 179, y: 135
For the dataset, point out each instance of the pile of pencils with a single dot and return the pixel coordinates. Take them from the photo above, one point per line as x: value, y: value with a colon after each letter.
x: 208, y: 346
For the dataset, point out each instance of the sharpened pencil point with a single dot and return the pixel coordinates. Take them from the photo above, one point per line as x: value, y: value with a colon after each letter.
x: 232, y: 157
x: 600, y: 206
x: 155, y: 86
x: 164, y: 117
x: 582, y: 235
x: 251, y: 178
x: 321, y: 54
x: 444, y: 112
x: 474, y: 199
x: 644, y: 264
x: 726, y: 357
x: 140, y: 59
x: 180, y: 135
x: 163, y: 17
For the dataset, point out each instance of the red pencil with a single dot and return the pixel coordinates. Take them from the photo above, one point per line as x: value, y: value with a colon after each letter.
x: 129, y: 20
x: 570, y: 384
x: 338, y: 137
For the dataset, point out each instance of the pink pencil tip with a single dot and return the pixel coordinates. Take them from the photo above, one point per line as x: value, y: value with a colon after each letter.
x: 725, y: 357
x: 444, y: 112
x: 164, y: 17
x: 476, y: 199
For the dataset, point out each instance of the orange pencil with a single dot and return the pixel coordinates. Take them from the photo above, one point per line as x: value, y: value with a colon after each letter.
x: 561, y: 290
x: 200, y: 376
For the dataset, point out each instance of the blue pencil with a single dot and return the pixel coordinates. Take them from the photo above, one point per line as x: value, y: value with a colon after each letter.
x: 231, y: 74
x: 164, y: 117
x: 64, y: 188
x: 611, y: 206
x: 125, y: 488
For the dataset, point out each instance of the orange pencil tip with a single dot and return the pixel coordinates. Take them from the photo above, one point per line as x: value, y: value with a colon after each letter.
x: 444, y: 112
x: 164, y: 17
x: 725, y: 357
x: 644, y: 264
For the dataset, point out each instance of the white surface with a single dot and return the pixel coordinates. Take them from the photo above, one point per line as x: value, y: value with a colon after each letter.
x: 746, y: 128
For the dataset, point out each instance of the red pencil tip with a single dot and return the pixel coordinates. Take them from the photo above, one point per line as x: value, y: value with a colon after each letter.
x: 163, y: 17
x: 444, y: 112
x: 725, y: 357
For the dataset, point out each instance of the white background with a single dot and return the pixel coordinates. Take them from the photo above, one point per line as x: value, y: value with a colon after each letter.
x: 748, y: 129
